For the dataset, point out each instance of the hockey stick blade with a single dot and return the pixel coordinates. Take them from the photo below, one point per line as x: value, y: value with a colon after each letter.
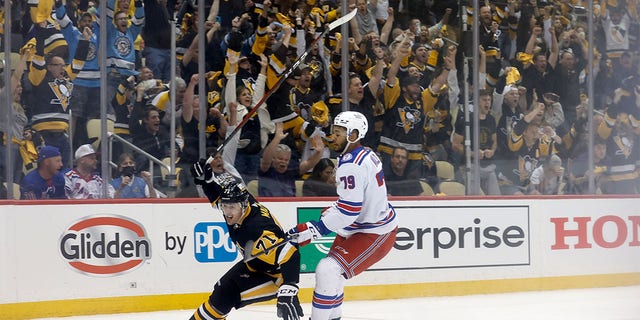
x: 249, y: 247
x: 342, y: 20
x: 338, y: 22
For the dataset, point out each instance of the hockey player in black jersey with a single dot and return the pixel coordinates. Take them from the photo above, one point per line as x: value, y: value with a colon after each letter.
x: 259, y: 276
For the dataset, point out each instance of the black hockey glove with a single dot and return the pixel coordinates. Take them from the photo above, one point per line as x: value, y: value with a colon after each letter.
x: 201, y: 172
x: 288, y: 304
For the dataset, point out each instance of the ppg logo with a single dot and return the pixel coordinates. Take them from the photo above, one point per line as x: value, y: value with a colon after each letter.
x: 212, y: 243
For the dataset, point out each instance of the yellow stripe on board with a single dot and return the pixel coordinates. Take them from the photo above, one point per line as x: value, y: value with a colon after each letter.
x: 110, y: 305
x: 62, y: 308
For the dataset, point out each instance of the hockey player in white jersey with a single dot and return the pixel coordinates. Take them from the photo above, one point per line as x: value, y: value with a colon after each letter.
x: 362, y: 217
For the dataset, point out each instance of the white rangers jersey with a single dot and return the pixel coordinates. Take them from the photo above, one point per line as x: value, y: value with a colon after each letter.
x: 77, y: 187
x: 362, y: 206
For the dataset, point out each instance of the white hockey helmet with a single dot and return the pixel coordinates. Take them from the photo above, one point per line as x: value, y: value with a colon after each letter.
x: 352, y: 120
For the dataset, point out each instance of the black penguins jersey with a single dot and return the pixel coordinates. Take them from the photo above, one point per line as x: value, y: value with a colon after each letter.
x: 527, y: 157
x: 51, y: 107
x: 301, y: 100
x: 258, y: 231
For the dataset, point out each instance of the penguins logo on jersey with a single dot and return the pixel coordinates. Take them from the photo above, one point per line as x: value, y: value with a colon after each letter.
x: 123, y: 45
x: 625, y: 145
x: 213, y: 97
x: 91, y: 54
x: 526, y: 165
x: 302, y: 109
x: 409, y: 118
x: 511, y: 123
x: 211, y: 128
x: 62, y: 90
x: 618, y: 33
x: 249, y: 83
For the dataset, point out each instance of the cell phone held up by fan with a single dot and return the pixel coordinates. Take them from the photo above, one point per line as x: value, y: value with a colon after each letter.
x: 551, y: 97
x: 128, y: 171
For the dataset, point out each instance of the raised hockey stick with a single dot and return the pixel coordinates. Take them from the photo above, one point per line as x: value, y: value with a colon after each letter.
x: 338, y: 22
x: 249, y: 247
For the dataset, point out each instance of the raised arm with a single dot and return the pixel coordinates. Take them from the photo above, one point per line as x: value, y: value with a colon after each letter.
x: 212, y: 28
x: 231, y: 149
x: 213, y: 12
x: 452, y: 80
x: 286, y: 38
x: 270, y: 151
x: 402, y: 50
x: 537, y: 31
x: 355, y: 30
x: 187, y: 101
x: 301, y: 42
x: 230, y: 87
x: 553, y: 56
x: 262, y: 79
x: 317, y: 147
x: 376, y: 75
x: 387, y: 27
x: 191, y: 52
x: 443, y: 78
x: 482, y: 68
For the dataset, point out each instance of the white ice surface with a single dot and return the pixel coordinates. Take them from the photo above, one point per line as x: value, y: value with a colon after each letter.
x: 620, y: 303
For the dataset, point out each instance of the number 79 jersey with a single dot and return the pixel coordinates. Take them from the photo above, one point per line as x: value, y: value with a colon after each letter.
x: 362, y: 206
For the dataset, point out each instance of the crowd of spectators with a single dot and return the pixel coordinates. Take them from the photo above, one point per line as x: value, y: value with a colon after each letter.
x: 406, y: 75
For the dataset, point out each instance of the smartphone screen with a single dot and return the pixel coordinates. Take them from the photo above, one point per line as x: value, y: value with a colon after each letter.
x: 551, y: 96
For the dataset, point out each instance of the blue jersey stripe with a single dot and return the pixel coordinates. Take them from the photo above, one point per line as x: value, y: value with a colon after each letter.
x: 359, y: 226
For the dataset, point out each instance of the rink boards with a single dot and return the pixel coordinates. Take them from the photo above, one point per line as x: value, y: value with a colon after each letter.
x: 71, y: 258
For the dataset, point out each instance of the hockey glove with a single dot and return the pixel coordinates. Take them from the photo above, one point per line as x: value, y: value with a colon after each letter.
x: 201, y: 172
x: 288, y: 304
x: 303, y: 233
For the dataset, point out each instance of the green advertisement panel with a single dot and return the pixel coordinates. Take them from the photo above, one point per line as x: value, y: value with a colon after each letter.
x: 311, y: 254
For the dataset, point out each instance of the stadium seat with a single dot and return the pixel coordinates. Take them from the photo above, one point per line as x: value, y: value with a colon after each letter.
x: 445, y: 170
x: 452, y: 188
x: 562, y: 188
x: 299, y: 184
x: 426, y: 189
x: 252, y: 187
x: 16, y: 190
x: 93, y: 131
x: 164, y: 172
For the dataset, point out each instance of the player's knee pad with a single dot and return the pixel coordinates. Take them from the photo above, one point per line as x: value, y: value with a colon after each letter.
x: 329, y: 274
x: 328, y: 266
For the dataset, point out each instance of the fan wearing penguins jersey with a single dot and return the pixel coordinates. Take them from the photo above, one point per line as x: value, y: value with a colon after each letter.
x: 252, y: 228
x: 362, y: 217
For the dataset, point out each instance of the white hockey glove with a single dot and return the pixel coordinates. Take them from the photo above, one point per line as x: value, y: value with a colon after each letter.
x: 288, y: 304
x: 303, y: 233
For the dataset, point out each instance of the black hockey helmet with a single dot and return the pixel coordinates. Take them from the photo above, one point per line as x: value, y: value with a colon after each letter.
x: 234, y: 192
